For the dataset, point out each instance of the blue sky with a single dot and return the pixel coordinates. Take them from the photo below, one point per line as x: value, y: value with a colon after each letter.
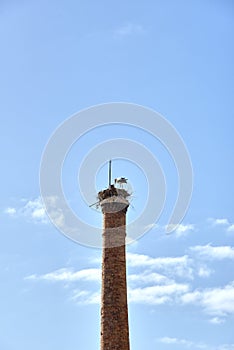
x: 59, y: 57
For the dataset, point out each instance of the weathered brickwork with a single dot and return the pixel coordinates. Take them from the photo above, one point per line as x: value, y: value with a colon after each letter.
x: 114, y: 308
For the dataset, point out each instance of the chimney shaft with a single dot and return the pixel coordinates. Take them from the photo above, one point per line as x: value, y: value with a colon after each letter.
x: 114, y: 307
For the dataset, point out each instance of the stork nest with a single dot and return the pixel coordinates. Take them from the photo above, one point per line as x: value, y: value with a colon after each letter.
x: 113, y: 191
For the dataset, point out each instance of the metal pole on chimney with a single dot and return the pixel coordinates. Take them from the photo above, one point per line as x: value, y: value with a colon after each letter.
x: 109, y: 173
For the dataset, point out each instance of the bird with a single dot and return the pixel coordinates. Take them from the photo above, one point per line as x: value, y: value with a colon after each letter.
x: 121, y: 180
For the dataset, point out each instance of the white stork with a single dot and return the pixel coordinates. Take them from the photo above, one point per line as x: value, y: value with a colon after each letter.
x: 121, y: 181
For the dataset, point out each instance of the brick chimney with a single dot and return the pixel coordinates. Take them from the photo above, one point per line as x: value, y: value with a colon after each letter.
x: 114, y: 307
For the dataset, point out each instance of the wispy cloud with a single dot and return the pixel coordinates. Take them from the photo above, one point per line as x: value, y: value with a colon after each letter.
x: 55, y: 207
x: 146, y: 284
x: 10, y: 211
x: 222, y: 221
x: 217, y: 302
x: 159, y: 294
x: 85, y: 297
x: 69, y: 275
x: 183, y: 230
x: 204, y: 271
x: 226, y: 347
x: 172, y: 266
x: 210, y: 252
x: 185, y: 343
x: 180, y: 230
x: 32, y: 210
x: 230, y: 228
x: 129, y: 29
x: 217, y: 320
x: 148, y: 278
x: 152, y: 295
x: 147, y: 287
x: 182, y: 342
x: 157, y: 281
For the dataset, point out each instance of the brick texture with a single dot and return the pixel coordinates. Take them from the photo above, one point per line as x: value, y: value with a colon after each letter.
x: 114, y: 308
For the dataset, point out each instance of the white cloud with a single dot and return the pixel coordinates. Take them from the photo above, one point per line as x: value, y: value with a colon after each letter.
x: 38, y: 213
x: 85, y: 297
x: 218, y: 222
x: 148, y: 278
x: 217, y: 320
x: 172, y: 266
x: 158, y: 294
x: 191, y: 298
x: 221, y: 221
x: 193, y: 345
x: 180, y: 230
x: 157, y: 281
x: 170, y: 340
x: 184, y: 342
x: 55, y: 207
x: 69, y: 275
x: 129, y: 29
x: 145, y: 260
x: 218, y: 302
x: 183, y: 230
x: 153, y: 295
x: 226, y: 347
x: 210, y: 252
x: 33, y: 210
x: 204, y: 271
x: 148, y: 287
x: 10, y: 211
x: 231, y: 228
